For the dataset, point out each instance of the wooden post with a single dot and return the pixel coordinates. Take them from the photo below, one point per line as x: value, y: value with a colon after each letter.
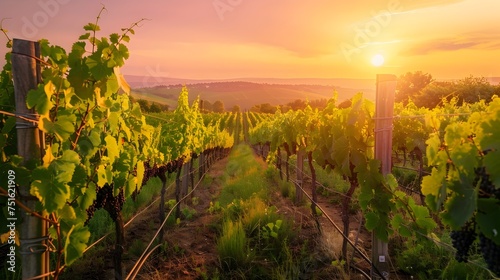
x: 201, y: 165
x: 163, y: 179
x: 300, y: 169
x: 185, y: 179
x: 30, y: 144
x: 384, y: 111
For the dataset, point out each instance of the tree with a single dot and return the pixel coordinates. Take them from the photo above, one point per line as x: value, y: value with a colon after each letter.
x: 472, y: 89
x: 206, y: 106
x: 432, y: 95
x: 218, y: 107
x: 345, y: 104
x: 319, y: 103
x: 264, y: 108
x: 467, y: 90
x: 154, y: 108
x: 268, y: 108
x: 236, y: 109
x: 410, y: 85
x: 144, y: 104
x: 298, y: 104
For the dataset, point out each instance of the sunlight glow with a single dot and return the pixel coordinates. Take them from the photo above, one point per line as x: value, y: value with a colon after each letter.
x: 378, y: 60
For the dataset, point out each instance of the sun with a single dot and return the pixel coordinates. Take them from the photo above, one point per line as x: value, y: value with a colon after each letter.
x: 378, y: 60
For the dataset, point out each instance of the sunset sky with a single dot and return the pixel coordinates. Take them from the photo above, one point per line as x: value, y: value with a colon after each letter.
x: 203, y: 39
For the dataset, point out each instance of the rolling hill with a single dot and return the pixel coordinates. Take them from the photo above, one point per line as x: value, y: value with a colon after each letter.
x: 247, y: 94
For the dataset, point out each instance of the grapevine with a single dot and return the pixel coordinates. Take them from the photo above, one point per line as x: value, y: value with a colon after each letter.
x: 100, y: 149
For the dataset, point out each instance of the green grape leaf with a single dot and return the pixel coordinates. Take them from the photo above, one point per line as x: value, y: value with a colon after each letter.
x: 88, y: 196
x: 491, y: 130
x: 372, y: 220
x: 114, y: 38
x: 113, y: 121
x: 136, y: 111
x: 96, y: 67
x: 38, y: 99
x: 460, y: 206
x: 84, y: 36
x: 78, y: 180
x: 487, y: 218
x: 340, y: 153
x: 76, y: 54
x: 492, y: 163
x: 112, y: 84
x: 91, y: 27
x: 423, y: 218
x: 382, y: 232
x: 104, y: 175
x: 131, y: 186
x: 111, y: 148
x: 434, y: 188
x: 95, y: 137
x: 9, y: 124
x: 62, y: 128
x: 51, y: 193
x: 398, y: 222
x: 391, y: 182
x: 140, y: 172
x: 76, y: 242
x: 67, y: 212
x: 433, y: 150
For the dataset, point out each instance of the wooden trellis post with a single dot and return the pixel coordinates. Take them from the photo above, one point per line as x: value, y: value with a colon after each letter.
x: 384, y: 112
x: 300, y: 178
x: 33, y: 232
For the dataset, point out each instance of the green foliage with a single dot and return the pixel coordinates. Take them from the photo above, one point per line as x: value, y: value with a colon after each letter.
x: 214, y: 207
x: 287, y: 189
x: 342, y: 140
x: 232, y: 245
x: 431, y: 259
x: 188, y: 213
x: 95, y: 135
x: 170, y: 204
x: 289, y: 268
x: 457, y: 151
x: 243, y: 177
x: 137, y: 248
x: 271, y: 230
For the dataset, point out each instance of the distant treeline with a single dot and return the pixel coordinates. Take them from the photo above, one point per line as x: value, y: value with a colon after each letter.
x: 417, y: 87
x: 150, y: 107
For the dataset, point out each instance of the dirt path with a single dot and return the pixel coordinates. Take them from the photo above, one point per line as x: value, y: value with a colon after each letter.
x: 190, y: 250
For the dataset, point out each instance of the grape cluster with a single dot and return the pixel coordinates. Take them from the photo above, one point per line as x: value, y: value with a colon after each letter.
x: 149, y: 172
x: 491, y: 253
x: 463, y: 239
x: 105, y: 199
x: 118, y: 203
x: 99, y: 202
x: 155, y: 170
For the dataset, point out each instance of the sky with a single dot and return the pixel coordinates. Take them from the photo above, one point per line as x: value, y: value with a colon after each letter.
x: 224, y: 39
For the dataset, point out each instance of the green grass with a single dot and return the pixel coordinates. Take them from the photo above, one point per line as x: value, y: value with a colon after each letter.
x: 250, y: 222
x: 232, y: 245
x: 243, y: 177
x: 436, y: 261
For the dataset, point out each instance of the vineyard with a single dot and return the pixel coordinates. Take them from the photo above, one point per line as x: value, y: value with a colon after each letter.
x: 289, y: 195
